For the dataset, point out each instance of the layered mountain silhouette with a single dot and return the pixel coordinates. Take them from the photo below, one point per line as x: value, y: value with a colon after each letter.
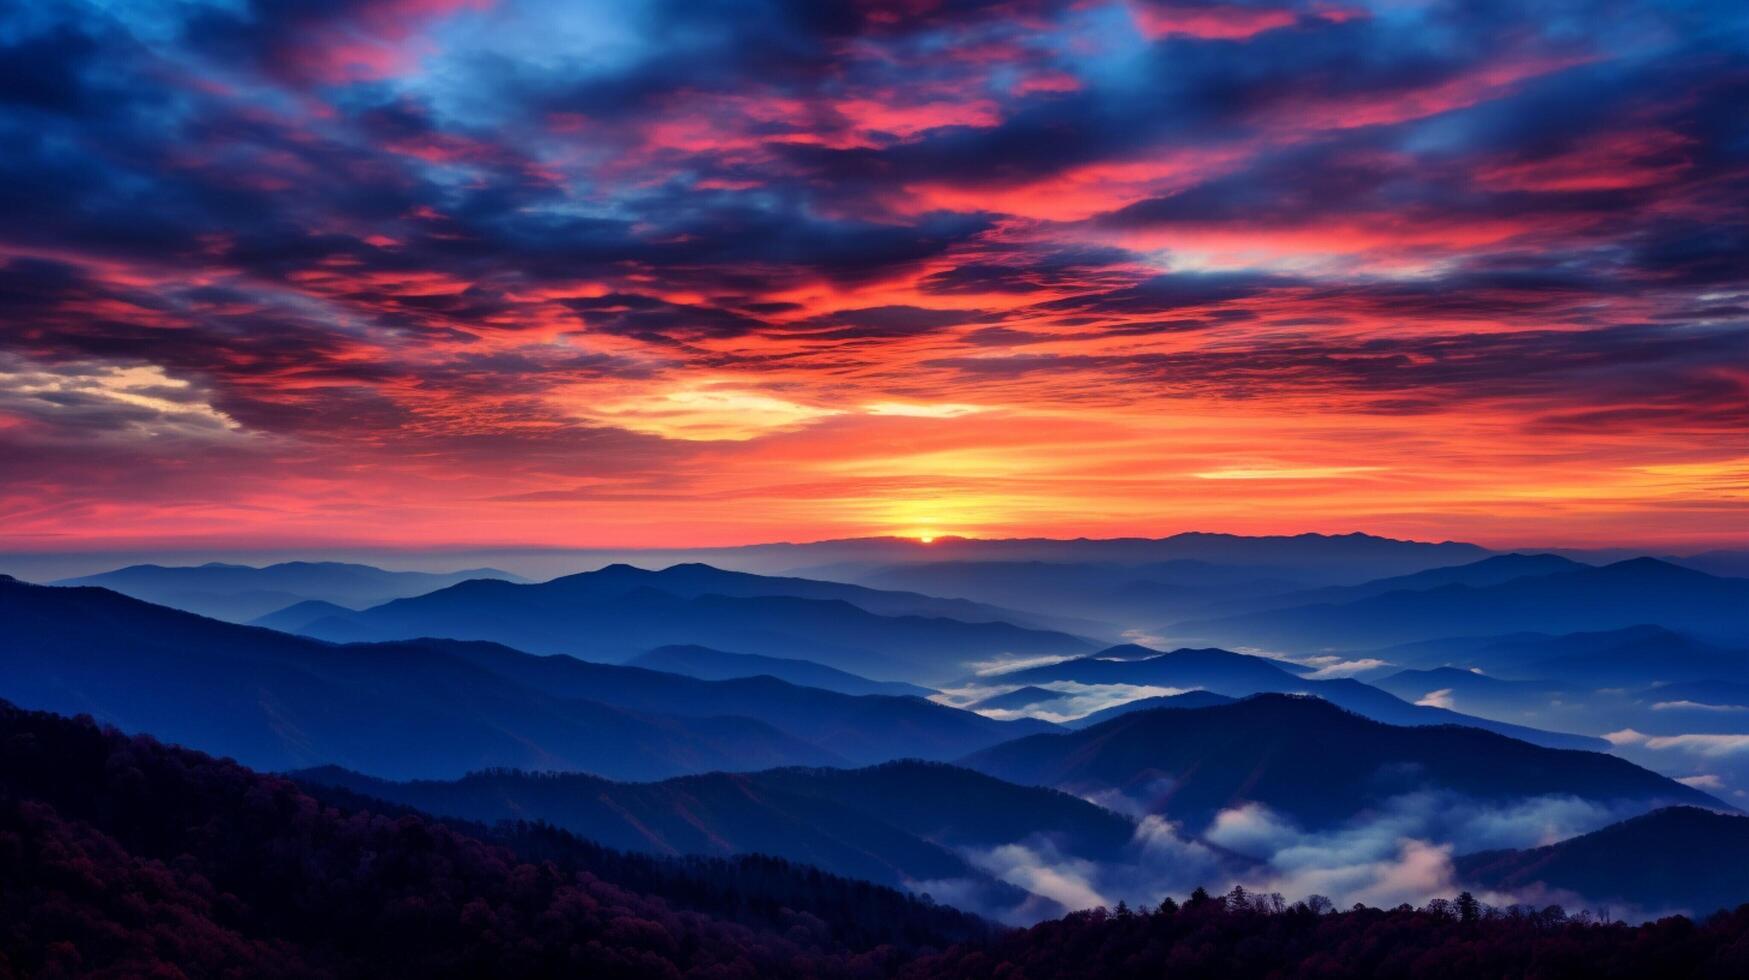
x: 1352, y: 557
x: 903, y: 824
x: 240, y: 593
x: 1107, y: 592
x: 1623, y: 594
x: 278, y: 701
x: 1189, y: 699
x: 1310, y: 760
x: 434, y: 708
x: 1488, y: 571
x: 1676, y: 859
x: 1634, y: 656
x: 717, y: 665
x: 1239, y: 675
x: 858, y: 729
x: 620, y: 611
x: 1016, y: 700
x: 1469, y: 689
x: 126, y: 857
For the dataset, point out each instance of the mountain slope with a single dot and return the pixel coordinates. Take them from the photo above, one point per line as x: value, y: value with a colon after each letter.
x: 279, y: 701
x: 1309, y: 759
x: 619, y: 612
x: 438, y: 707
x: 1633, y: 656
x: 1238, y: 675
x: 860, y: 729
x: 126, y: 857
x: 1678, y: 858
x: 243, y: 592
x: 1020, y: 697
x: 1493, y: 570
x: 717, y: 665
x: 1627, y: 593
x: 1189, y: 699
x: 896, y: 824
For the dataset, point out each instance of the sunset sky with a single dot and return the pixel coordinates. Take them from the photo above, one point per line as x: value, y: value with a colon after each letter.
x: 432, y: 272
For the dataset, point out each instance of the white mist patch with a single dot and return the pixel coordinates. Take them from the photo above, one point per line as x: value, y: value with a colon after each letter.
x: 1697, y: 706
x: 1158, y: 862
x: 1403, y: 852
x: 1436, y: 699
x: 1007, y: 665
x: 1710, y: 746
x: 1075, y: 700
x: 1324, y: 665
x: 1347, y: 668
x: 1040, y: 870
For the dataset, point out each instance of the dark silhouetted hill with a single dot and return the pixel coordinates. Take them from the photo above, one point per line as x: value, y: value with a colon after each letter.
x: 123, y: 857
x: 1676, y: 859
x: 1249, y: 936
x: 896, y: 824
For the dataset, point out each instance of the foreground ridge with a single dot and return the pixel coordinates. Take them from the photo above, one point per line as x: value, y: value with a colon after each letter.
x: 126, y: 857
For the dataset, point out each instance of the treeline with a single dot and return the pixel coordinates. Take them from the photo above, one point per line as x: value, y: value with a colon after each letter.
x: 1246, y: 935
x: 121, y: 856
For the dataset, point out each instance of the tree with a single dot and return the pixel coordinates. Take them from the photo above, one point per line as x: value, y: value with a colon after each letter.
x: 1468, y: 909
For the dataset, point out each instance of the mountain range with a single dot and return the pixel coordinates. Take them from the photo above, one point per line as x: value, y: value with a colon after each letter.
x: 619, y: 612
x: 1677, y: 859
x: 126, y: 857
x: 1624, y: 594
x: 1308, y: 759
x: 1634, y: 656
x: 717, y: 665
x: 900, y: 824
x: 240, y: 593
x: 1239, y: 675
x: 431, y: 707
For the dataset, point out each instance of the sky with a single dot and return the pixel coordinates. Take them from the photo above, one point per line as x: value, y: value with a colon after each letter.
x: 438, y: 272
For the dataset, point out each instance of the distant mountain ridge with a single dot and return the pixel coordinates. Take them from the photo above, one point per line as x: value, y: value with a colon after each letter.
x: 619, y: 612
x: 243, y: 592
x: 1238, y: 675
x: 1623, y: 594
x: 1488, y: 571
